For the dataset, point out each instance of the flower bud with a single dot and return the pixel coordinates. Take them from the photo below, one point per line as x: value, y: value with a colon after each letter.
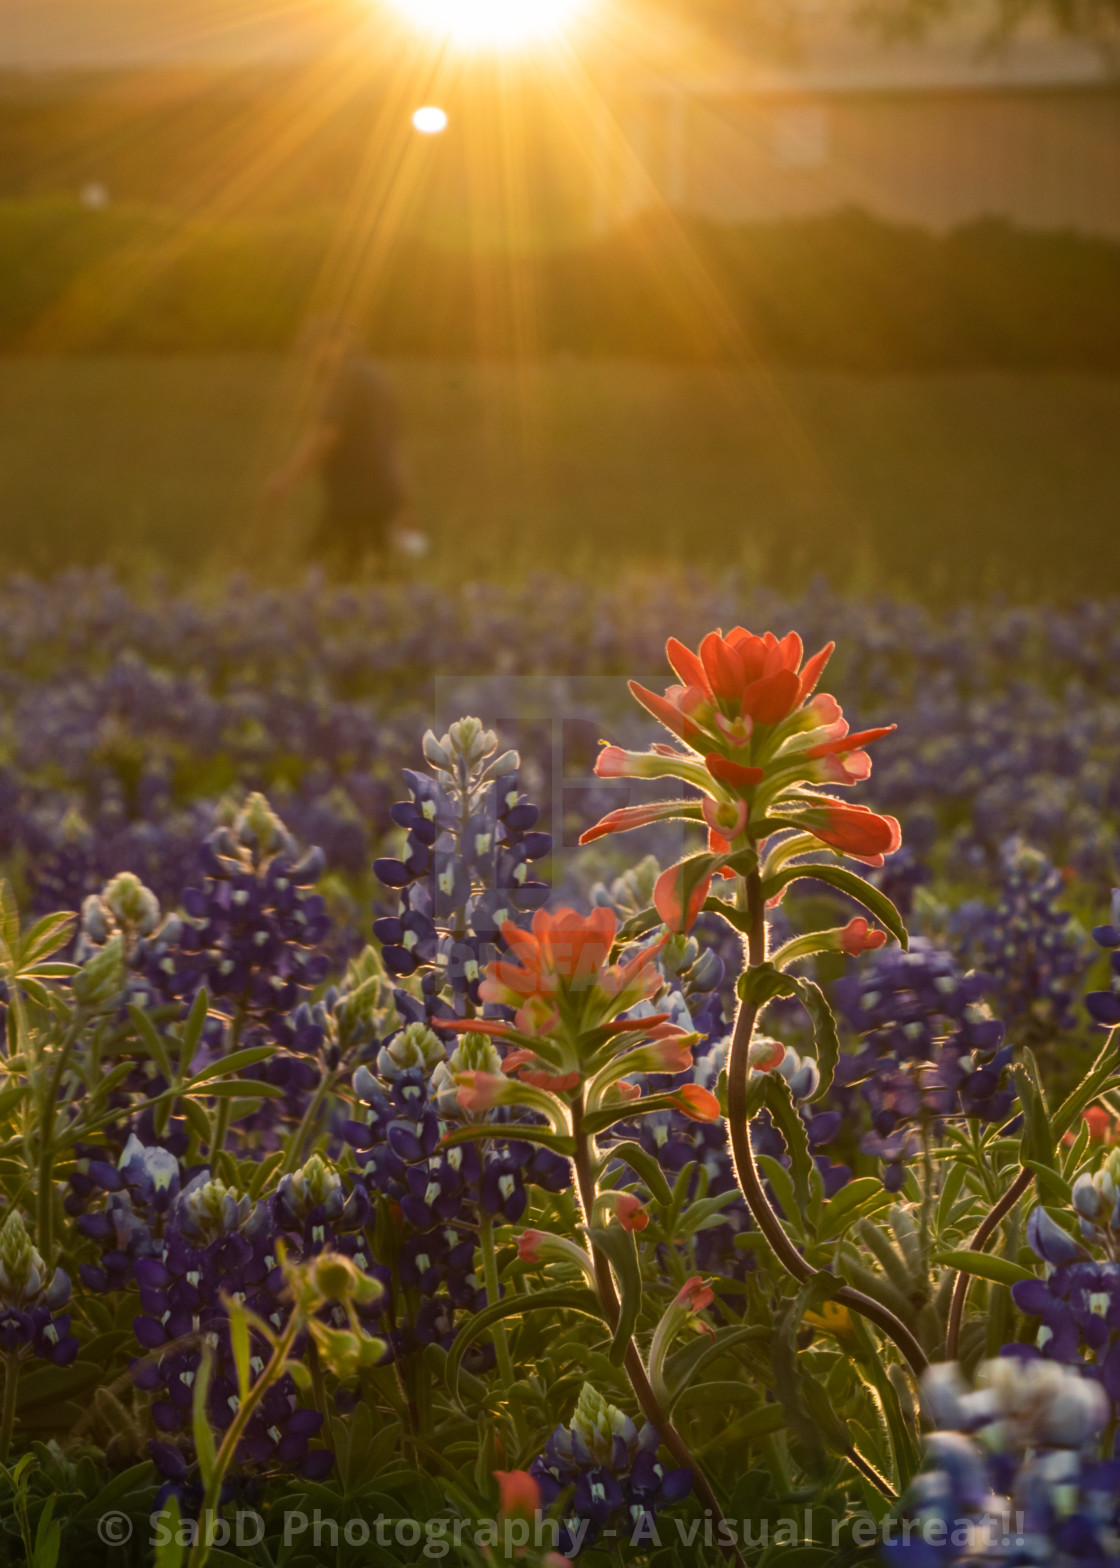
x: 133, y: 906
x: 22, y: 1271
x: 102, y: 977
x: 438, y: 753
x: 258, y: 829
x: 414, y: 1046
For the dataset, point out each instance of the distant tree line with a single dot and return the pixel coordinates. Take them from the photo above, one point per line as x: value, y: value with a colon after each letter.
x: 843, y: 291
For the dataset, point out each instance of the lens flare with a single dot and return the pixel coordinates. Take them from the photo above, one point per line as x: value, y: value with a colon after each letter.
x: 430, y: 120
x: 495, y: 24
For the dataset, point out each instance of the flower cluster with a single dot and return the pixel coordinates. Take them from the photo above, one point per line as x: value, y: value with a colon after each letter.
x: 1022, y: 1447
x: 187, y: 1248
x: 1028, y: 943
x: 30, y: 1298
x: 250, y: 931
x: 758, y: 744
x: 929, y: 1049
x: 601, y: 1467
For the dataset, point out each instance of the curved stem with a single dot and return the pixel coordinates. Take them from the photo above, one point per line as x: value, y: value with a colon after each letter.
x: 212, y: 1499
x: 8, y: 1417
x: 582, y: 1162
x: 750, y: 1182
x: 493, y: 1293
x: 979, y: 1241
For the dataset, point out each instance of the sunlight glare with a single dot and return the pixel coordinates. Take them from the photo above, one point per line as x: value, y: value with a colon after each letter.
x: 495, y: 24
x: 430, y: 120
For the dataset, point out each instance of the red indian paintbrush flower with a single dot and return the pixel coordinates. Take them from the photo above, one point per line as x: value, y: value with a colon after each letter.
x: 520, y: 1493
x: 759, y: 741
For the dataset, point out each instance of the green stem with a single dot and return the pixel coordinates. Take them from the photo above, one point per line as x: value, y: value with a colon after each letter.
x: 212, y: 1497
x: 294, y: 1157
x: 8, y: 1416
x: 219, y: 1127
x: 925, y: 1237
x: 979, y: 1241
x: 746, y: 1171
x: 493, y: 1293
x: 583, y: 1162
x: 44, y: 1194
x: 318, y: 1385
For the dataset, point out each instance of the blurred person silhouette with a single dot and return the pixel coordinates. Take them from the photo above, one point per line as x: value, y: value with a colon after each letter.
x: 354, y: 444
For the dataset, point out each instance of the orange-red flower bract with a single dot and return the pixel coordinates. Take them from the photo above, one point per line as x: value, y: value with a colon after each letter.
x: 757, y: 744
x: 859, y: 936
x: 632, y: 1215
x: 698, y: 1104
x: 856, y: 830
x: 677, y: 901
x: 694, y: 1295
x: 519, y: 1492
x: 564, y: 951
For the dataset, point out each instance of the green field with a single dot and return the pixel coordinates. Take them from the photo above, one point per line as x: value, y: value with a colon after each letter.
x: 940, y: 483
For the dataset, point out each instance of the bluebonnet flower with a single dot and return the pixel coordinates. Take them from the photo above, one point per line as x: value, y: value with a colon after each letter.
x: 30, y: 1298
x: 471, y: 839
x: 1030, y: 947
x: 930, y: 1049
x: 1023, y: 1446
x: 251, y: 930
x: 217, y: 1243
x: 1078, y: 1300
x: 603, y: 1467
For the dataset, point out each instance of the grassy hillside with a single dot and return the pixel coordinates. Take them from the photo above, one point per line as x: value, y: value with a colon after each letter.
x: 942, y: 483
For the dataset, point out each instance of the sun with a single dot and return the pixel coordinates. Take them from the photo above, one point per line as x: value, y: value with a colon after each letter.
x: 491, y: 24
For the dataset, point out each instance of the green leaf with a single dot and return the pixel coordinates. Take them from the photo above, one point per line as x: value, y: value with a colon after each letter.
x: 1091, y: 1087
x: 170, y: 1552
x: 200, y: 1418
x: 1072, y: 1161
x: 1001, y: 1271
x: 10, y: 1098
x: 148, y: 1032
x: 239, y: 1344
x: 825, y: 1040
x: 136, y: 1478
x: 233, y: 1063
x: 1038, y: 1141
x: 782, y: 1184
x: 738, y: 918
x: 560, y: 1298
x: 230, y: 1088
x: 761, y: 983
x: 192, y: 1032
x: 683, y: 1365
x: 1052, y: 1187
x: 757, y: 1423
x: 46, y: 936
x: 861, y: 1196
x: 263, y: 1173
x: 48, y: 1535
x: 197, y: 1119
x: 621, y: 1250
x: 784, y: 1113
x: 630, y: 930
x: 644, y: 1166
x: 556, y: 1141
x: 850, y: 882
x: 954, y: 1180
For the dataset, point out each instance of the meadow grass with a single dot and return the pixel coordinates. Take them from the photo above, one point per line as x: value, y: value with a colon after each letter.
x: 940, y: 484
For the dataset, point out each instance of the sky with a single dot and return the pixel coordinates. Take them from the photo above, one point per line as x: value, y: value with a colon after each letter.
x: 93, y: 33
